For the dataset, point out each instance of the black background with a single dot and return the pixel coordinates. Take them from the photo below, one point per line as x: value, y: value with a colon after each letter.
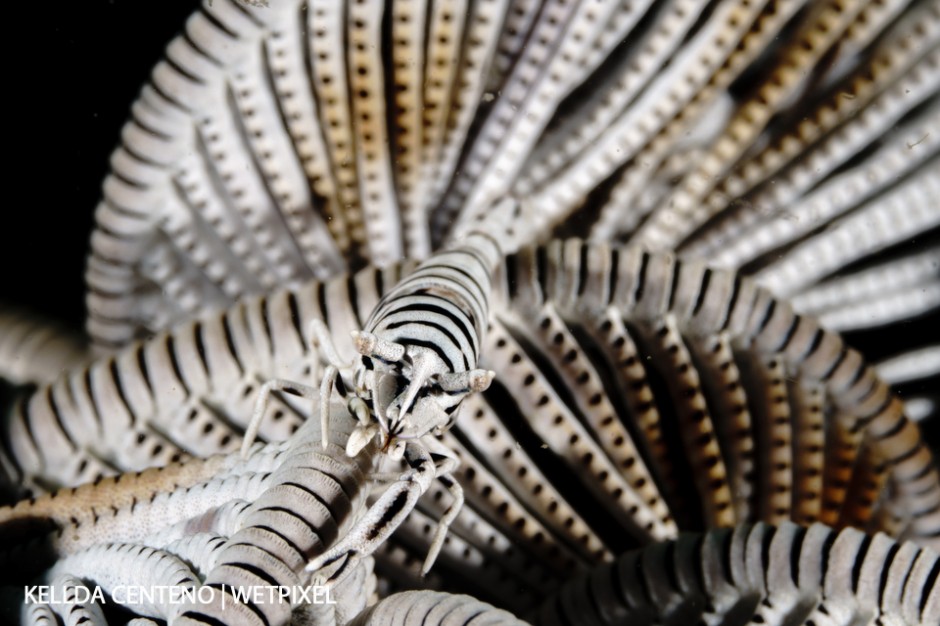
x: 74, y: 68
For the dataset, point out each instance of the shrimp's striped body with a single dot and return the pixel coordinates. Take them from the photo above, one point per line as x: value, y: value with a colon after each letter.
x: 418, y: 356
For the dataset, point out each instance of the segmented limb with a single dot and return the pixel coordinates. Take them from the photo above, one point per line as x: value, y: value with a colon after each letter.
x: 324, y: 343
x: 39, y: 615
x: 445, y: 471
x: 398, y: 500
x: 335, y: 364
x: 287, y: 386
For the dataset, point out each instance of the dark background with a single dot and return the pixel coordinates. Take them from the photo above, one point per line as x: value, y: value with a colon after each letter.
x: 67, y: 96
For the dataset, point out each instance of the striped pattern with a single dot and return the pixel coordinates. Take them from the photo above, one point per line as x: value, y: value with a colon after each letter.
x: 671, y: 369
x: 316, y: 497
x: 759, y: 575
x: 73, y: 607
x: 281, y: 143
x: 223, y: 522
x: 638, y: 394
x: 188, y: 391
x: 449, y: 293
x: 435, y: 320
x: 679, y: 316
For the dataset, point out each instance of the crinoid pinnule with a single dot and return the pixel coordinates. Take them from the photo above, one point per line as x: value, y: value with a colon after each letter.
x: 635, y: 395
x: 638, y: 390
x: 224, y: 524
x: 292, y: 141
x: 757, y: 574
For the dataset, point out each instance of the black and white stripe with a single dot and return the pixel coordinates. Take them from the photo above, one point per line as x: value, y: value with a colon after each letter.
x: 444, y: 304
x: 760, y: 575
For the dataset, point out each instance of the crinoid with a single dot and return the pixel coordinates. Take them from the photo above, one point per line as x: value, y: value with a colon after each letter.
x: 597, y: 253
x: 617, y: 372
x: 758, y: 575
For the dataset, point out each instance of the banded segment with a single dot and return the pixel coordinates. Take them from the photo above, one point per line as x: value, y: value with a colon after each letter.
x: 759, y: 573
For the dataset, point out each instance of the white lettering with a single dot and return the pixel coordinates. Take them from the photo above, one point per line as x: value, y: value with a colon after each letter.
x: 205, y: 594
x: 97, y: 595
x: 188, y: 594
x: 119, y: 594
x: 322, y: 595
x: 63, y: 594
x: 29, y: 595
x: 79, y: 595
x: 240, y: 594
x: 302, y: 595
